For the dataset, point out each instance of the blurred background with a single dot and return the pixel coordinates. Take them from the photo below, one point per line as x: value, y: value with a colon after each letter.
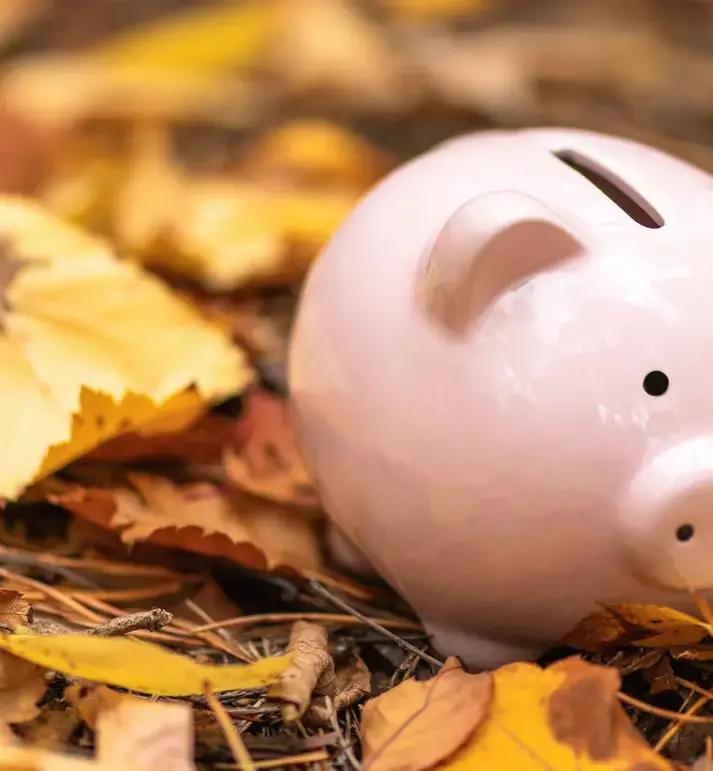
x: 220, y: 143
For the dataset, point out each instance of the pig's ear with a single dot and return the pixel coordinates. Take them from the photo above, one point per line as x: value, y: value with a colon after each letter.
x: 493, y: 243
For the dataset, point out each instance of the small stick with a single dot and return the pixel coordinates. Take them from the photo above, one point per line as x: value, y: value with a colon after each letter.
x: 292, y: 760
x: 232, y: 737
x: 667, y: 713
x: 152, y: 620
x: 674, y: 728
x: 325, y: 618
x: 324, y: 592
x: 55, y: 594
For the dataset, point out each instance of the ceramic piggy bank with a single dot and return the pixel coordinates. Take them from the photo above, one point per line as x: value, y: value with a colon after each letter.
x: 501, y: 377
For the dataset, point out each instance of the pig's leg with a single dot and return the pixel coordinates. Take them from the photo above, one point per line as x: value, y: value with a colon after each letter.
x: 479, y: 652
x: 346, y: 553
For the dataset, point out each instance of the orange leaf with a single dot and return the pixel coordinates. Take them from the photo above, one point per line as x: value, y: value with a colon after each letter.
x: 197, y: 517
x: 269, y: 464
x: 418, y: 724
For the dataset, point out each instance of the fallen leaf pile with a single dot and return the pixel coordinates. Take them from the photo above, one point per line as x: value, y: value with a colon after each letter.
x: 566, y: 716
x: 169, y: 171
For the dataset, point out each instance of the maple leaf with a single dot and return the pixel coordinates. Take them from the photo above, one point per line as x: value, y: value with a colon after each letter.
x: 75, y: 345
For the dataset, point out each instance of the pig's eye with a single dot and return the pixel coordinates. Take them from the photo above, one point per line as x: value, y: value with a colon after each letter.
x: 656, y: 383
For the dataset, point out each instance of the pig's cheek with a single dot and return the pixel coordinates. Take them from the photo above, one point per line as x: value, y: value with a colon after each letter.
x: 666, y: 518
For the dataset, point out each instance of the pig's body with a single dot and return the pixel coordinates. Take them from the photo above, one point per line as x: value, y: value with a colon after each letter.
x: 480, y: 429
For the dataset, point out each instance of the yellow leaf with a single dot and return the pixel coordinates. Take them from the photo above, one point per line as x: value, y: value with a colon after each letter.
x: 138, y: 666
x: 643, y: 625
x: 437, y: 9
x: 177, y: 67
x: 81, y: 329
x: 100, y: 418
x: 332, y: 48
x: 209, y: 36
x: 563, y: 718
x: 223, y: 232
x: 311, y: 149
x: 22, y: 685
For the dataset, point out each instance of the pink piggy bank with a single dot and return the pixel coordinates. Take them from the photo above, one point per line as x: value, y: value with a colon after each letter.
x: 501, y: 376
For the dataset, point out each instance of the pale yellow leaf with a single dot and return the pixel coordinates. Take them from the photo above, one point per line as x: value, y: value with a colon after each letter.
x: 146, y: 736
x: 330, y: 47
x: 22, y: 685
x: 80, y: 328
x: 31, y: 759
x: 226, y: 233
x: 177, y: 67
x: 137, y: 665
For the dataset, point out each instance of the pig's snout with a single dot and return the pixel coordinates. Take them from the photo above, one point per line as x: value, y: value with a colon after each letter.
x: 667, y: 517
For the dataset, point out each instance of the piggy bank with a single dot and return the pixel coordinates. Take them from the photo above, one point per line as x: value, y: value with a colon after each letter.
x: 501, y: 376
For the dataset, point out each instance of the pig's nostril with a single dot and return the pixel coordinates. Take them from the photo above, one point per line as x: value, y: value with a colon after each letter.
x: 685, y: 532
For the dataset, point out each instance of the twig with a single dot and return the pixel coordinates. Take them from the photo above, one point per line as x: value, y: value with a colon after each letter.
x: 344, y: 744
x: 324, y: 592
x: 674, y: 728
x: 659, y: 712
x: 232, y: 737
x: 55, y: 594
x: 325, y: 618
x: 152, y: 620
x: 292, y: 760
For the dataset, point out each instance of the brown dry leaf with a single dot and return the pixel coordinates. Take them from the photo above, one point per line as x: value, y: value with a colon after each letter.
x: 647, y: 626
x: 311, y: 671
x: 269, y: 464
x: 563, y: 718
x: 14, y: 610
x: 330, y: 48
x: 146, y: 736
x: 312, y: 151
x: 353, y: 685
x: 197, y: 517
x: 22, y: 684
x: 417, y: 725
x: 203, y: 441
